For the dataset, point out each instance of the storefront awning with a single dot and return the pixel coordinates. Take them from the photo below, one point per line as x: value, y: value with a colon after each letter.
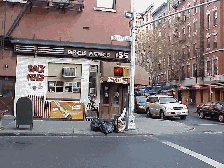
x: 202, y: 87
x: 141, y: 75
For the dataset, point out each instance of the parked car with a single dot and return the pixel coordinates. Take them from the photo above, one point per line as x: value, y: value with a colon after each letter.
x: 165, y: 106
x: 140, y: 104
x: 212, y: 110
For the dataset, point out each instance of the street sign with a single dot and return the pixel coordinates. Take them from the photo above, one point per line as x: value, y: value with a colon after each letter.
x: 120, y: 38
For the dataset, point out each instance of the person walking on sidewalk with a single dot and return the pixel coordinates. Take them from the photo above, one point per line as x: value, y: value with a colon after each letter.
x: 189, y: 102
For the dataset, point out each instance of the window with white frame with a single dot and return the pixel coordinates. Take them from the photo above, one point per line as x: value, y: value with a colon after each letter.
x: 188, y: 51
x: 208, y: 42
x: 188, y: 31
x: 105, y: 5
x: 194, y: 70
x: 183, y: 72
x: 215, y: 17
x: 195, y: 9
x: 195, y: 26
x: 215, y: 39
x: 215, y: 66
x: 208, y: 21
x: 188, y: 71
x: 208, y: 67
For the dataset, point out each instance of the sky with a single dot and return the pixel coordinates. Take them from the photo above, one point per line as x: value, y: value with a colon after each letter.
x: 141, y: 5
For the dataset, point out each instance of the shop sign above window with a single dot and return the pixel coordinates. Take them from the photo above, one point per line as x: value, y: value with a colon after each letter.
x: 74, y: 52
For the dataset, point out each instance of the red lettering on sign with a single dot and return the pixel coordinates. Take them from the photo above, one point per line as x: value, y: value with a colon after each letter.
x: 37, y: 68
x: 35, y: 77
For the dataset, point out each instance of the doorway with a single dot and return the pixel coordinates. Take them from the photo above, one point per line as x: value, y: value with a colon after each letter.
x: 111, y: 100
x: 7, y: 89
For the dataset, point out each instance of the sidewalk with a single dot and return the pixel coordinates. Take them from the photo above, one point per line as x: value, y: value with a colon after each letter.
x: 144, y: 126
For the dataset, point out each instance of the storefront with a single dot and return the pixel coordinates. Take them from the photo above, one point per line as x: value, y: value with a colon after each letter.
x: 114, y: 88
x: 64, y: 79
x: 200, y: 94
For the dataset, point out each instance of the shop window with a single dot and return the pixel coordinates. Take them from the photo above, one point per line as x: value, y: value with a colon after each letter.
x: 93, y: 79
x: 61, y: 86
x: 116, y: 95
x: 6, y: 88
x: 105, y: 95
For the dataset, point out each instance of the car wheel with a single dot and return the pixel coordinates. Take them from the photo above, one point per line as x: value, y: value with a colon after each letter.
x: 162, y: 116
x: 201, y: 115
x: 183, y: 117
x: 148, y: 113
x: 221, y: 118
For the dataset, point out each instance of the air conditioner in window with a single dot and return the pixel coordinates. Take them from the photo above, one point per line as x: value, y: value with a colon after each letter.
x: 68, y: 72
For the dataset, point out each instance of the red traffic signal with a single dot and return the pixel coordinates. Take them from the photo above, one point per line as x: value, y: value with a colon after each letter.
x: 118, y: 71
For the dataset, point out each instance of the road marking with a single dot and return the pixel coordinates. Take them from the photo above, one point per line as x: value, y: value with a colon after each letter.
x: 194, y: 154
x: 207, y: 124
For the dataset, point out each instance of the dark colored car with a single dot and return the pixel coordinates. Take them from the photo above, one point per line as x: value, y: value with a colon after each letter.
x: 212, y: 110
x: 140, y: 104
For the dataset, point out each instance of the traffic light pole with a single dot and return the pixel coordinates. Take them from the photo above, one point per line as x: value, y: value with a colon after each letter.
x: 130, y: 116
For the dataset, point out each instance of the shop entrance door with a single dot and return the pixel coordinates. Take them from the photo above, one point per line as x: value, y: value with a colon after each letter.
x: 7, y: 95
x: 111, y: 100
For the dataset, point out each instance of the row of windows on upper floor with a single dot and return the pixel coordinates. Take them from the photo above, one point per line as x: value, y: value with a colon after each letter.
x: 184, y: 18
x: 211, y: 68
x: 187, y: 71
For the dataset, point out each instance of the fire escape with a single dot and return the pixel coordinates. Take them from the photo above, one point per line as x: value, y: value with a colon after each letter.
x: 64, y: 5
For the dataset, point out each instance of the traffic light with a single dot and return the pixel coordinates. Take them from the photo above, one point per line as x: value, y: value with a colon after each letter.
x: 120, y: 72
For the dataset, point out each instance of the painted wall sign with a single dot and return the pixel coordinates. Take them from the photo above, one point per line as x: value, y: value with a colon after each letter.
x: 36, y: 74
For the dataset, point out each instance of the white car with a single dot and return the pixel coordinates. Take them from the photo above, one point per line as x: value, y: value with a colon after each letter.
x: 164, y: 107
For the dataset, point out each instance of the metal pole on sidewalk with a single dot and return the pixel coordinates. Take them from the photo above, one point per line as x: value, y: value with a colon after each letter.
x: 130, y: 116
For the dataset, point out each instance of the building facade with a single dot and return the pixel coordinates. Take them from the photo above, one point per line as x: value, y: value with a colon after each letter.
x: 53, y: 52
x: 193, y: 29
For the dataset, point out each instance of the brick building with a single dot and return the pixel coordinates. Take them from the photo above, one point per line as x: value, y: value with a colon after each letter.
x: 58, y: 51
x: 198, y: 31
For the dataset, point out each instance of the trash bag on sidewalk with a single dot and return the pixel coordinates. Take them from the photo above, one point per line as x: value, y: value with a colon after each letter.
x: 103, y: 126
x: 107, y: 127
x: 96, y: 124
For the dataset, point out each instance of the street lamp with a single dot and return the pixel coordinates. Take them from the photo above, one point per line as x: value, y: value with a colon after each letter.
x: 130, y: 115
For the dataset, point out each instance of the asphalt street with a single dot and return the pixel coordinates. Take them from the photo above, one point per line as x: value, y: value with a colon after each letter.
x: 154, y: 143
x: 93, y: 151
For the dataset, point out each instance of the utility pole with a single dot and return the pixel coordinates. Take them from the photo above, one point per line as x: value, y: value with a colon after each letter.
x: 130, y: 116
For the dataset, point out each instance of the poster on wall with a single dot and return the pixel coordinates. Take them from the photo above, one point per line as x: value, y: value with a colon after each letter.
x: 68, y: 110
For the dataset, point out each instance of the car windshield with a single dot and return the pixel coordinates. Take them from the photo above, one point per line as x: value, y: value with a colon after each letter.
x: 165, y: 100
x: 141, y: 99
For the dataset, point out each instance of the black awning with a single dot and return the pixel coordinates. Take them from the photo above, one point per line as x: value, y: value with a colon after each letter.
x: 71, y: 44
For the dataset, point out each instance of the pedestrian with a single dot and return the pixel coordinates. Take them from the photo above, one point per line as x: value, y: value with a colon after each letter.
x: 189, y: 102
